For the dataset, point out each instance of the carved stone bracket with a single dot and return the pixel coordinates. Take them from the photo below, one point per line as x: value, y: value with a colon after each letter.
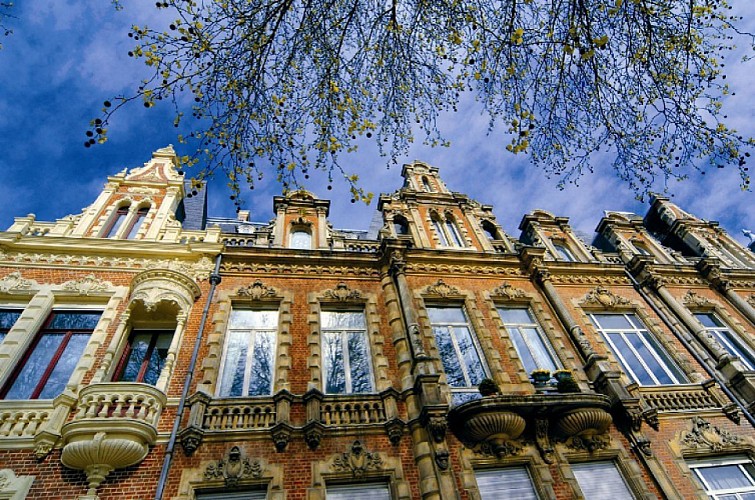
x: 441, y: 459
x: 604, y: 298
x: 281, y: 434
x: 542, y: 441
x: 313, y: 433
x: 434, y: 419
x: 233, y: 468
x: 710, y: 267
x: 395, y: 429
x: 357, y: 460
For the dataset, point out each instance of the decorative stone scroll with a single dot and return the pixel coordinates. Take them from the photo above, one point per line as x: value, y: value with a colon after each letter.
x: 342, y: 293
x: 158, y: 285
x: 233, y: 468
x: 441, y: 289
x: 695, y: 300
x: 257, y: 291
x: 15, y: 283
x: 708, y: 437
x: 509, y: 292
x: 87, y: 285
x: 604, y: 298
x: 357, y: 460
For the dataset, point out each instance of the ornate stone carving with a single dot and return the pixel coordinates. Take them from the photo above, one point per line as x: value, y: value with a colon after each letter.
x: 441, y: 289
x: 257, y: 291
x: 503, y: 450
x: 87, y: 285
x: 751, y: 300
x: 357, y: 461
x: 589, y: 443
x: 437, y: 426
x: 162, y: 285
x: 643, y: 445
x: 583, y: 279
x: 395, y: 429
x: 233, y: 468
x: 342, y: 293
x: 604, y: 298
x: 281, y: 434
x: 509, y: 292
x: 15, y: 283
x: 542, y: 441
x: 313, y: 433
x: 441, y: 458
x: 397, y: 262
x: 705, y: 435
x: 693, y: 299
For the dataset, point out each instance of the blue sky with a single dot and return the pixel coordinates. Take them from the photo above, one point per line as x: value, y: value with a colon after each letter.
x: 66, y: 57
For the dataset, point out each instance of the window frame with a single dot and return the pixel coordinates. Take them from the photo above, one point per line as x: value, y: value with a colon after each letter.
x: 675, y: 373
x: 727, y: 338
x: 711, y: 462
x: 251, y: 337
x: 563, y: 253
x: 343, y: 338
x: 386, y: 485
x: 501, y: 470
x: 535, y: 324
x: 117, y: 221
x: 616, y: 466
x: 57, y: 355
x: 136, y: 222
x: 125, y: 357
x: 9, y: 309
x: 300, y: 230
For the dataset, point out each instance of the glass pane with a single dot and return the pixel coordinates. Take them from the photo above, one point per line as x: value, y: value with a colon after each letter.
x: 157, y: 358
x: 35, y: 367
x: 666, y: 360
x: 511, y: 482
x: 74, y: 320
x: 440, y: 315
x: 368, y: 491
x: 118, y: 222
x: 564, y: 253
x: 301, y: 240
x: 137, y: 223
x: 448, y: 357
x: 232, y: 381
x: 539, y: 350
x: 707, y: 320
x: 599, y: 480
x: 342, y: 320
x: 647, y: 356
x: 139, y: 347
x: 515, y: 315
x: 612, y: 321
x: 470, y: 355
x: 244, y: 318
x: 332, y: 352
x: 528, y: 361
x: 359, y: 359
x: 261, y: 379
x: 724, y: 477
x: 8, y: 318
x: 630, y: 362
x: 65, y: 366
x: 454, y: 233
x: 441, y: 233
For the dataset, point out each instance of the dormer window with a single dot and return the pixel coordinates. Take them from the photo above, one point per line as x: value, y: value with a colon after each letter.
x: 136, y: 223
x: 563, y: 252
x: 117, y: 221
x: 426, y: 184
x: 490, y: 230
x: 301, y: 239
x: 453, y: 232
x: 400, y: 225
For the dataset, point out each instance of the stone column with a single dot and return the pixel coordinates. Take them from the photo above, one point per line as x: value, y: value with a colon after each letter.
x: 711, y: 269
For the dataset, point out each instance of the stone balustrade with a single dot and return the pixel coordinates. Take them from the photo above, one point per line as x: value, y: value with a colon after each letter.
x: 356, y: 412
x: 687, y: 397
x: 18, y: 422
x: 221, y: 415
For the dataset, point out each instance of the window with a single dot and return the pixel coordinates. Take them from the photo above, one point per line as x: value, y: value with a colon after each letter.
x: 426, y: 184
x: 453, y: 232
x: 301, y: 239
x: 529, y: 340
x: 137, y: 222
x: 601, y: 480
x: 563, y: 252
x: 144, y: 357
x: 439, y: 231
x: 345, y: 351
x: 728, y: 340
x: 115, y: 224
x: 400, y: 225
x: 52, y: 357
x: 511, y: 482
x: 8, y: 318
x: 639, y: 353
x: 641, y: 249
x: 458, y: 351
x: 726, y: 478
x: 236, y: 495
x: 249, y: 358
x: 490, y: 230
x: 367, y: 491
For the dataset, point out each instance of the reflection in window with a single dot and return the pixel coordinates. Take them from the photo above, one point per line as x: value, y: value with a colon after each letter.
x: 52, y: 357
x: 8, y: 318
x: 563, y: 252
x: 249, y: 358
x: 144, y: 357
x: 453, y: 232
x: 639, y: 353
x: 458, y: 350
x: 301, y: 239
x: 439, y: 231
x: 728, y: 340
x: 117, y: 221
x: 726, y: 478
x: 364, y: 491
x: 137, y: 222
x: 601, y: 480
x: 345, y: 352
x: 641, y: 249
x: 529, y: 340
x: 511, y: 482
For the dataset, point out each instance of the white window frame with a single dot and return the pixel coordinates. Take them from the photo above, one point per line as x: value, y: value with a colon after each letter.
x: 674, y: 373
x: 544, y: 341
x: 696, y: 465
x: 251, y: 337
x: 343, y: 334
x: 729, y: 340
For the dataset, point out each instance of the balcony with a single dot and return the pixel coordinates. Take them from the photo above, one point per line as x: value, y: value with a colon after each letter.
x: 113, y: 427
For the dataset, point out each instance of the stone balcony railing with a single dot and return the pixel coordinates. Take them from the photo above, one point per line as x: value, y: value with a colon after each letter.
x: 682, y: 398
x: 22, y: 419
x: 216, y: 418
x: 113, y: 426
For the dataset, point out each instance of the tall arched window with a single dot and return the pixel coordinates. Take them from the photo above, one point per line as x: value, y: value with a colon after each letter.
x: 400, y: 225
x: 490, y: 230
x: 136, y: 223
x: 116, y: 222
x: 426, y: 184
x: 453, y: 232
x: 438, y: 225
x: 301, y: 239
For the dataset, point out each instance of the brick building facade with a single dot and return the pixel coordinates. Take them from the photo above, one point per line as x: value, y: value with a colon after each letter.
x: 150, y: 351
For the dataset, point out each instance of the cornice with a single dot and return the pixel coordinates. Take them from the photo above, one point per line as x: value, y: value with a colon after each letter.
x: 70, y: 245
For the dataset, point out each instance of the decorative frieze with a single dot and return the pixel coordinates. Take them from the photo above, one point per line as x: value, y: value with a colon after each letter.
x: 87, y: 285
x: 585, y: 279
x: 13, y: 282
x: 296, y: 269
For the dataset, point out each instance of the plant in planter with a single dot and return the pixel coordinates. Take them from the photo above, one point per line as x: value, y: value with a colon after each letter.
x: 565, y: 381
x: 488, y: 387
x: 540, y: 377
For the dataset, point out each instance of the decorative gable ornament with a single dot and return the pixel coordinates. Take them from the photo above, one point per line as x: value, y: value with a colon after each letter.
x: 15, y: 283
x: 695, y: 300
x: 87, y: 285
x: 602, y: 297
